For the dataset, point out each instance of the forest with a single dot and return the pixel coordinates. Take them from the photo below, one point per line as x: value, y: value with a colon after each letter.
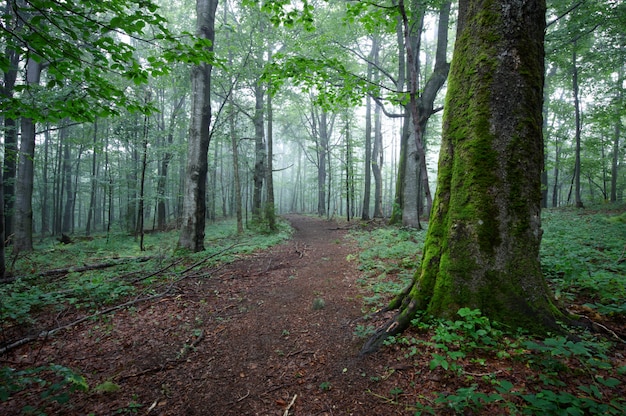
x: 147, y: 144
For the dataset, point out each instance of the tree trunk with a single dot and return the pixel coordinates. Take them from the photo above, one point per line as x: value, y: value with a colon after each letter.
x: 194, y: 199
x: 367, y: 191
x: 616, y: 137
x: 25, y: 179
x: 577, y: 196
x: 482, y: 245
x: 259, y: 152
x: 377, y: 164
x: 236, y: 176
x: 94, y: 181
x: 2, y: 236
x: 142, y: 180
x: 555, y: 187
x: 270, y: 207
x: 45, y: 221
x: 322, y: 152
x: 66, y: 224
x: 10, y: 131
x: 164, y: 166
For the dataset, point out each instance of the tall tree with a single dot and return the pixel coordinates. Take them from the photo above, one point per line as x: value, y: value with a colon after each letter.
x: 482, y: 245
x: 26, y: 176
x: 194, y: 200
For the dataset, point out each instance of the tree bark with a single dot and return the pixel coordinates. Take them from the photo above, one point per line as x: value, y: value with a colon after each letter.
x: 91, y: 211
x: 194, y: 199
x: 236, y: 176
x: 259, y: 151
x: 270, y: 207
x: 66, y: 224
x: 25, y: 178
x: 377, y: 163
x: 482, y: 245
x: 577, y: 196
x: 617, y: 132
x: 10, y: 128
x: 165, y: 164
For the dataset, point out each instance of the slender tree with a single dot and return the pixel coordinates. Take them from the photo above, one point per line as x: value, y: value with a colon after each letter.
x: 194, y: 200
x: 482, y: 245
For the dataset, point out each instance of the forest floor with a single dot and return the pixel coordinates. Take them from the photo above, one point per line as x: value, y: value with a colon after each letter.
x: 273, y: 333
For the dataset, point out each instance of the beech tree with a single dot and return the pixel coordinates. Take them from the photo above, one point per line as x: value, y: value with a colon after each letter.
x: 482, y: 245
x: 194, y: 202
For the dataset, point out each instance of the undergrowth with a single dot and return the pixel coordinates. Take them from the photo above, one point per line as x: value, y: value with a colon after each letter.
x: 388, y: 258
x: 49, y: 283
x: 484, y: 369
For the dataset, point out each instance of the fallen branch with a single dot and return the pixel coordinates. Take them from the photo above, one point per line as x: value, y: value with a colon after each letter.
x: 46, y: 334
x: 139, y: 279
x: 95, y: 266
x: 193, y: 266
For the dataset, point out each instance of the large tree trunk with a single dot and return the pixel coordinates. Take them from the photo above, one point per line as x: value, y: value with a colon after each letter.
x: 194, y: 199
x: 482, y: 246
x: 26, y: 175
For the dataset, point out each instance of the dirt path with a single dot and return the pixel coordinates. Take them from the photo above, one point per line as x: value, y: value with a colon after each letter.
x: 244, y: 340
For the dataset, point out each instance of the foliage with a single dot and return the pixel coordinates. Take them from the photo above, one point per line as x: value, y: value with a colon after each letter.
x: 87, y: 59
x: 578, y: 375
x: 21, y: 300
x: 581, y: 256
x: 386, y: 253
x: 56, y: 383
x: 551, y: 358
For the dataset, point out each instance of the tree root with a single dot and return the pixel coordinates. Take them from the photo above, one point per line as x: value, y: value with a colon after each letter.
x: 395, y: 325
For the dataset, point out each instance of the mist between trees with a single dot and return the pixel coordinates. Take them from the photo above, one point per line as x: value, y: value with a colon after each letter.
x: 331, y: 108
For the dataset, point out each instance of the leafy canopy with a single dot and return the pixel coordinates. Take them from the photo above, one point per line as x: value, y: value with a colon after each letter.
x: 91, y: 52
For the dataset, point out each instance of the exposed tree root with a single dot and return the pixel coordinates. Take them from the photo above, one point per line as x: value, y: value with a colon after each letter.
x: 395, y: 325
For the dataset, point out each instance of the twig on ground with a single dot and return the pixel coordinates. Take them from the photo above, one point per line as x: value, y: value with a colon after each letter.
x: 290, y: 405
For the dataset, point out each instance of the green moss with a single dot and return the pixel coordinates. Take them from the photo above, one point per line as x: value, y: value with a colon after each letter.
x: 480, y: 249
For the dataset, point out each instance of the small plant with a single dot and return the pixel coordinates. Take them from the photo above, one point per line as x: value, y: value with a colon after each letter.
x: 325, y: 386
x: 318, y: 303
x: 132, y: 408
x: 364, y: 331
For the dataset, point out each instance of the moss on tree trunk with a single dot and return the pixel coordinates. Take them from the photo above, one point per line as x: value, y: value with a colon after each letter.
x: 482, y: 244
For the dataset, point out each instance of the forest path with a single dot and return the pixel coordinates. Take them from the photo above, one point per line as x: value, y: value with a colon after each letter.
x: 245, y: 339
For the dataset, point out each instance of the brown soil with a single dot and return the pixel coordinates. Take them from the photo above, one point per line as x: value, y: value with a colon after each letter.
x: 270, y: 334
x: 245, y: 340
